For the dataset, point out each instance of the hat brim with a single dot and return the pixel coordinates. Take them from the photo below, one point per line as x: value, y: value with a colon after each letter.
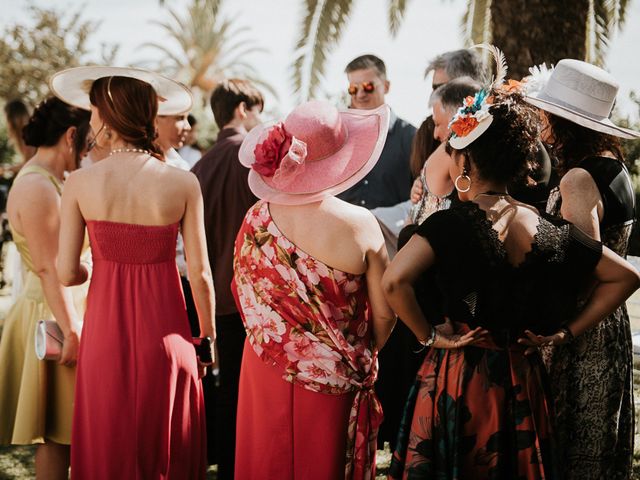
x: 602, y: 125
x: 366, y: 135
x: 462, y: 142
x: 73, y: 85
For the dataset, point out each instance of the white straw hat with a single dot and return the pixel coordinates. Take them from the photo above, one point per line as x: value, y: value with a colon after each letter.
x: 73, y: 85
x: 581, y: 93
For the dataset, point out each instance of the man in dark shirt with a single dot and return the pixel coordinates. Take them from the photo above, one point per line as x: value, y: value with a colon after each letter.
x: 236, y: 106
x: 389, y: 183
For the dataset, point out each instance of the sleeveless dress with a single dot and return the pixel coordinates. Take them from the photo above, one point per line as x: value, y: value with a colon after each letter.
x: 306, y: 406
x: 484, y: 411
x: 139, y: 409
x: 591, y: 376
x: 402, y: 355
x: 36, y: 396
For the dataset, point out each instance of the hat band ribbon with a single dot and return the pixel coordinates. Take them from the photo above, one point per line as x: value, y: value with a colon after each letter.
x: 555, y: 91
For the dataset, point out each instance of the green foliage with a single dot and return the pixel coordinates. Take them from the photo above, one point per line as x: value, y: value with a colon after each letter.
x: 631, y: 148
x: 321, y: 30
x: 476, y: 22
x: 30, y: 54
x: 605, y: 17
x: 207, y: 48
x: 7, y: 152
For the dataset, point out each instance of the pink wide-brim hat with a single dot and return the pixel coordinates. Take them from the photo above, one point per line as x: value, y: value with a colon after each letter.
x: 342, y: 147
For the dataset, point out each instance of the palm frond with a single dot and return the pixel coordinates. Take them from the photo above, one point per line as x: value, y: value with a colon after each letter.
x: 178, y: 61
x: 501, y: 63
x: 325, y: 29
x: 622, y: 12
x: 211, y: 47
x: 476, y: 22
x: 301, y: 45
x: 397, y: 9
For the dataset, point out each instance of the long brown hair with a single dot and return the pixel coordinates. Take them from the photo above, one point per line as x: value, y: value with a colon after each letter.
x: 422, y: 146
x: 573, y: 143
x: 128, y: 106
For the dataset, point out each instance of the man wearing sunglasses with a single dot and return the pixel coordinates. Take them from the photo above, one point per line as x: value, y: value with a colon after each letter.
x: 389, y: 183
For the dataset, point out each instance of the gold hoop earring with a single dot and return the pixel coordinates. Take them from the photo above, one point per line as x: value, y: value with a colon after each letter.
x: 462, y: 176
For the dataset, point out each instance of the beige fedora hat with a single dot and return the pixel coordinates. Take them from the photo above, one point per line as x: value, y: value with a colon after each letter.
x: 581, y: 93
x: 73, y: 85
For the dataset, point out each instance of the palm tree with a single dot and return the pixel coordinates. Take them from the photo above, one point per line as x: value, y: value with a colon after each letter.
x: 529, y: 32
x: 209, y: 47
x: 321, y: 30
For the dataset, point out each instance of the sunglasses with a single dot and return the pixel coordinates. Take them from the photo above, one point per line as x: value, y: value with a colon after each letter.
x: 367, y: 87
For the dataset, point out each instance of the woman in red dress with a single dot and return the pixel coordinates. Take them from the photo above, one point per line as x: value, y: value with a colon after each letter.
x: 138, y: 405
x: 308, y: 268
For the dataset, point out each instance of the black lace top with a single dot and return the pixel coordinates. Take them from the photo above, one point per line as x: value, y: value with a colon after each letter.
x: 482, y: 287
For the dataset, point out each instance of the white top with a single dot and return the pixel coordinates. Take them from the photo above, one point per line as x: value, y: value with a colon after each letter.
x: 191, y: 155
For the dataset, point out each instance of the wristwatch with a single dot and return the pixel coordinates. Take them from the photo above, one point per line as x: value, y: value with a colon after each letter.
x: 427, y: 342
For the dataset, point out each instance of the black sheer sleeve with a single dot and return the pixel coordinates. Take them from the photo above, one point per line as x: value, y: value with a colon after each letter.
x: 442, y: 230
x: 583, y: 252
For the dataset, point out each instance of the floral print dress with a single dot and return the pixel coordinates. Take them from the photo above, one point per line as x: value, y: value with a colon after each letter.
x: 312, y: 323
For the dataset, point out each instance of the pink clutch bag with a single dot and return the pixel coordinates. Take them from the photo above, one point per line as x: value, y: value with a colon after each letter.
x: 48, y: 340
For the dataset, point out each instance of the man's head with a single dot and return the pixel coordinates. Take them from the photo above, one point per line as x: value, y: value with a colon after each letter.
x: 368, y: 82
x: 447, y: 99
x: 455, y: 64
x: 236, y: 103
x: 172, y: 130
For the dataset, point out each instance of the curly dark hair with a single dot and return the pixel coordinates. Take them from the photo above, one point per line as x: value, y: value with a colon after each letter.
x: 573, y: 143
x: 505, y: 153
x: 51, y: 119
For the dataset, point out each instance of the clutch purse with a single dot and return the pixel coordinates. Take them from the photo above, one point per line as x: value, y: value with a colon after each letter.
x: 48, y: 340
x: 203, y: 349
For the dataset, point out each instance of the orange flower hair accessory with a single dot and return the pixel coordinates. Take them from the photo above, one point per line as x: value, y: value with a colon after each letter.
x: 471, y: 120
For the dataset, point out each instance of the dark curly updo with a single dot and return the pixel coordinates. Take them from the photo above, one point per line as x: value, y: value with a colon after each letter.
x: 505, y: 152
x: 51, y: 119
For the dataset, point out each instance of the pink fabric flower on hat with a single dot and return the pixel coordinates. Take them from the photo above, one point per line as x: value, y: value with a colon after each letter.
x: 272, y: 150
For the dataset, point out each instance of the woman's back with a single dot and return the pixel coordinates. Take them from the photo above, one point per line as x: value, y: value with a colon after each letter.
x: 502, y: 266
x: 334, y: 232
x: 136, y: 190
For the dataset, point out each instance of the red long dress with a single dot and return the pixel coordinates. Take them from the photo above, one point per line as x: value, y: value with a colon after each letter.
x: 139, y: 411
x: 306, y: 407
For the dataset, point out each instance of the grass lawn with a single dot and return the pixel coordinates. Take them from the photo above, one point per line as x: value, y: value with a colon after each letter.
x: 16, y: 463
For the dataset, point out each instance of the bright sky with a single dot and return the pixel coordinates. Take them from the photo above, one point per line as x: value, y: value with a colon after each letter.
x: 430, y: 27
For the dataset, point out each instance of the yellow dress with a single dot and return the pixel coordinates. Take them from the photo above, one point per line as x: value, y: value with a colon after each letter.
x: 36, y: 396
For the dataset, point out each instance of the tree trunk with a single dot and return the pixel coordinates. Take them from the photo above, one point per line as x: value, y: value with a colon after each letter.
x: 531, y: 32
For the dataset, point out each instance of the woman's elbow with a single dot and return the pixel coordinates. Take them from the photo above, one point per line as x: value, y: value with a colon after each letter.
x: 201, y: 278
x: 390, y: 283
x: 633, y: 277
x: 67, y: 278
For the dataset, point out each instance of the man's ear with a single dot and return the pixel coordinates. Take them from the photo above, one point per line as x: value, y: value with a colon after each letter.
x: 387, y: 84
x: 241, y: 111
